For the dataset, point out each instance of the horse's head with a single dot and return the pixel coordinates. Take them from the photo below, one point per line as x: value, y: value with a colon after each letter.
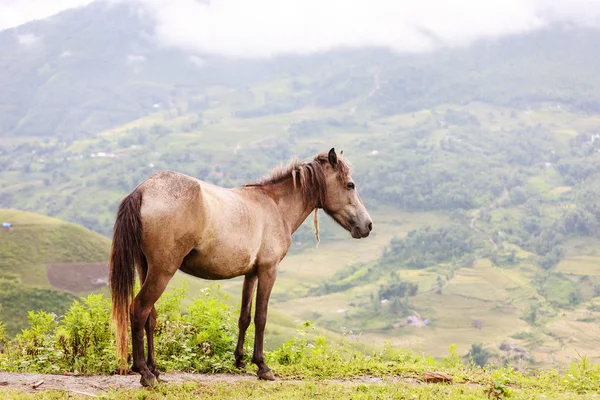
x: 342, y: 201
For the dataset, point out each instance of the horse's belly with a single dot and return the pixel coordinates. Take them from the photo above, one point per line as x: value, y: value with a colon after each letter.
x: 219, y: 265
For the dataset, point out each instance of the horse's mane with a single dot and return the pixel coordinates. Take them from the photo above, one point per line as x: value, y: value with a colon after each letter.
x: 308, y: 176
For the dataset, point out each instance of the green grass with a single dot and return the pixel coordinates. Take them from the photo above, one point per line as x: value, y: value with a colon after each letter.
x: 35, y: 241
x: 309, y: 390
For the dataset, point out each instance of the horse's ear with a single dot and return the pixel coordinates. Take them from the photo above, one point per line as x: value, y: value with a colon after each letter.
x: 332, y: 157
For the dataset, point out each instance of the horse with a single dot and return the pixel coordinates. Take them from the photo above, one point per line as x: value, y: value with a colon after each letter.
x: 172, y: 221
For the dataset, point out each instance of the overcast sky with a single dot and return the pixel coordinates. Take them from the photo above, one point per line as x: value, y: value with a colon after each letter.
x: 268, y: 27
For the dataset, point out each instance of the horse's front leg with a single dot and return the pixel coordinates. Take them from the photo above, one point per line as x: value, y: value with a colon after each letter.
x: 245, y: 317
x: 266, y: 279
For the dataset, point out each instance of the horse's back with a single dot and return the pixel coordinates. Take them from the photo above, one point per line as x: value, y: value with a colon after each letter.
x: 220, y: 230
x: 169, y: 190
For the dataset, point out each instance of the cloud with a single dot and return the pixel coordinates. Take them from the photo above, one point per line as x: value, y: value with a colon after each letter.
x: 17, y: 12
x: 262, y: 28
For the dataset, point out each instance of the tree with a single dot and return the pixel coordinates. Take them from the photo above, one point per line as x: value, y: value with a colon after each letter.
x: 479, y: 355
x: 531, y: 314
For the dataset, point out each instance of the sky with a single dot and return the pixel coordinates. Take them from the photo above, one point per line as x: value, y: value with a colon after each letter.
x: 263, y: 28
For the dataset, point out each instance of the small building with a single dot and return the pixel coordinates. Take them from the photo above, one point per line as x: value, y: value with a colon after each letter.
x: 6, y: 225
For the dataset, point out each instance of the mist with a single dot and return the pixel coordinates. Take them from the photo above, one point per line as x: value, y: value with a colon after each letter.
x: 265, y: 28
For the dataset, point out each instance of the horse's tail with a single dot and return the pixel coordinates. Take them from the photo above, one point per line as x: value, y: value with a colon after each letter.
x: 126, y: 252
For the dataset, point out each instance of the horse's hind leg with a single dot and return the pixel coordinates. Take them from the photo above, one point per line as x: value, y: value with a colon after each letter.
x: 143, y: 304
x: 150, y: 326
x: 245, y: 317
x: 150, y: 322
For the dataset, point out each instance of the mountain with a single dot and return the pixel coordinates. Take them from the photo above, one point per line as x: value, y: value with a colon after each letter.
x: 45, y: 263
x: 89, y: 69
x: 479, y: 165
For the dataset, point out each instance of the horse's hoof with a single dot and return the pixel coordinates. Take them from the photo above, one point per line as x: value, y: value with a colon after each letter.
x: 267, y: 375
x: 148, y: 381
x: 240, y: 365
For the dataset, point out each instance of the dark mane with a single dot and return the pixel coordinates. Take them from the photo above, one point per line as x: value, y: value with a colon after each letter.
x: 306, y: 175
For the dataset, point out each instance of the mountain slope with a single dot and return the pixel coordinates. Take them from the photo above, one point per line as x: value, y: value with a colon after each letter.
x: 43, y: 260
x: 97, y: 67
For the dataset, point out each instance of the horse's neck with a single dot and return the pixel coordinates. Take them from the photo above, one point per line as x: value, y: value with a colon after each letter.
x: 293, y: 206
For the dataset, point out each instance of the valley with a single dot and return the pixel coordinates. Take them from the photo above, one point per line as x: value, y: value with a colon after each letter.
x: 479, y: 171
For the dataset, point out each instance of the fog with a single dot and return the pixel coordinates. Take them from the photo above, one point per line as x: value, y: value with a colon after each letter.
x: 262, y: 28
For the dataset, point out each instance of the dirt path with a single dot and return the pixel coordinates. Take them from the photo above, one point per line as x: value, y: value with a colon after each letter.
x: 95, y: 385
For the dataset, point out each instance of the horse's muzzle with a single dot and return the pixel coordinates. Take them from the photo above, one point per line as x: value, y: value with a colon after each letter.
x: 359, y: 233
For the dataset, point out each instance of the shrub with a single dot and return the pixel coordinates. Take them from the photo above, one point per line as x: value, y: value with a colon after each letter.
x: 85, y: 336
x: 201, y: 339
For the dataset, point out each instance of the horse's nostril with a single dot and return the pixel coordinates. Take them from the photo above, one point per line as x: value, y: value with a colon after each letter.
x: 370, y: 226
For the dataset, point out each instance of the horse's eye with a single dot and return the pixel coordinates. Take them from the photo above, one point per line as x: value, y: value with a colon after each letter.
x: 350, y: 185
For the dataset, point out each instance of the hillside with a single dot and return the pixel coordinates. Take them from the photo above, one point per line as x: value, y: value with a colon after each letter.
x: 45, y: 263
x: 479, y: 165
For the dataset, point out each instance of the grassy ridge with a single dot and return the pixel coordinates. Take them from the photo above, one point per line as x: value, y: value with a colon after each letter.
x: 34, y: 242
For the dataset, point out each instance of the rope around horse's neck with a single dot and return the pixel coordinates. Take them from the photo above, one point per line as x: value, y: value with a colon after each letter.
x: 316, y: 223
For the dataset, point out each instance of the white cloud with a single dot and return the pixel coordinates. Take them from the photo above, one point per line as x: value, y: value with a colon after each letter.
x: 249, y: 28
x: 243, y: 28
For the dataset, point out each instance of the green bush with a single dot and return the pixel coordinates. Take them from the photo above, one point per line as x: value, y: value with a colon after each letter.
x: 201, y: 339
x: 85, y: 336
x: 34, y: 349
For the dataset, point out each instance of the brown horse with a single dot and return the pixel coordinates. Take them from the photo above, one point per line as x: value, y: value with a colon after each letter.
x: 175, y: 222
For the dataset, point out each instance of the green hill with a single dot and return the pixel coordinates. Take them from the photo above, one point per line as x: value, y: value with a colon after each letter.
x: 45, y: 263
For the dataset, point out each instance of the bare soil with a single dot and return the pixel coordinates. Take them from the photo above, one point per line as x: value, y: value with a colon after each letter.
x: 77, y: 277
x: 95, y: 385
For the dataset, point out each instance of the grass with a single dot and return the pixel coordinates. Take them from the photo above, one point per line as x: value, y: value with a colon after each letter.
x: 306, y: 390
x: 35, y: 241
x: 388, y: 375
x: 580, y: 265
